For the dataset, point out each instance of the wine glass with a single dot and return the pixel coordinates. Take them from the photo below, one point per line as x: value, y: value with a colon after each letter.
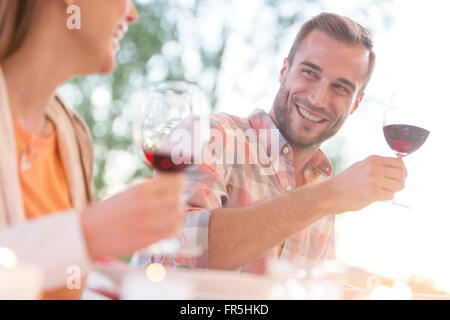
x: 403, y: 126
x: 169, y: 132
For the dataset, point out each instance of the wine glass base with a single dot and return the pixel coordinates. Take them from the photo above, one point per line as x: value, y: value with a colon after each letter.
x: 393, y: 202
x: 401, y: 205
x: 171, y: 248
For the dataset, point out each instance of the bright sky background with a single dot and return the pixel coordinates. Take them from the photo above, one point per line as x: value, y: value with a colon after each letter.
x: 413, y: 57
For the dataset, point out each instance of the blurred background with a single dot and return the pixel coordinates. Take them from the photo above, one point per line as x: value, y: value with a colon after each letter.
x: 234, y: 51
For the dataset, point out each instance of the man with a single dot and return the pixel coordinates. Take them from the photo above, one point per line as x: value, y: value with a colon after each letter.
x: 241, y: 215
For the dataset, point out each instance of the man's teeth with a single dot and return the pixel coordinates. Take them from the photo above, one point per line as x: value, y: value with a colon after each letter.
x: 309, y: 116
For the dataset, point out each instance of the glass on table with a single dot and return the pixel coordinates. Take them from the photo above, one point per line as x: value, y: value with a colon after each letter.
x: 302, y: 278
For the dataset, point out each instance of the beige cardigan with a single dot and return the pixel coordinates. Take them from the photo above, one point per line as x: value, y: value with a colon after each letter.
x: 54, y: 242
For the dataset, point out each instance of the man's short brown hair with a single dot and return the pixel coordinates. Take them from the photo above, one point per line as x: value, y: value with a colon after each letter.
x: 340, y: 28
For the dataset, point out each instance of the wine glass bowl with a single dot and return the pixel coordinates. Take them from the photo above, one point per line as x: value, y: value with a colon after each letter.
x: 165, y: 107
x: 404, y: 139
x: 403, y: 124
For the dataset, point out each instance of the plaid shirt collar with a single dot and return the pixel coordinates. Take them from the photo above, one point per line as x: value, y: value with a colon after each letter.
x: 259, y: 119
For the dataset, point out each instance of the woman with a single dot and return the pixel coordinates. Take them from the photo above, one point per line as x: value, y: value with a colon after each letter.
x: 46, y: 164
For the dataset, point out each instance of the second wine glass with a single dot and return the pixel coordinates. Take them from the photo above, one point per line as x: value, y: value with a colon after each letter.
x: 403, y: 126
x: 170, y: 129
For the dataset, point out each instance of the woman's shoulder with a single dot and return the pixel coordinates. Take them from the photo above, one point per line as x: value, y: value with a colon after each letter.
x: 82, y: 135
x: 77, y: 120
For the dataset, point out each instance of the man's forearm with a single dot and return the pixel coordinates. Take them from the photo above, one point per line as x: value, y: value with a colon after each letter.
x: 240, y: 235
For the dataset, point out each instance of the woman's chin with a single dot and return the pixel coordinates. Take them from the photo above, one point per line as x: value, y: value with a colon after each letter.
x: 109, y: 65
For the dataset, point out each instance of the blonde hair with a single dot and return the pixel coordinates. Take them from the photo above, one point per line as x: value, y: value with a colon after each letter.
x: 15, y: 17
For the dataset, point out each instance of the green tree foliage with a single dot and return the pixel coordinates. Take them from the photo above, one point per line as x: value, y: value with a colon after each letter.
x: 178, y: 39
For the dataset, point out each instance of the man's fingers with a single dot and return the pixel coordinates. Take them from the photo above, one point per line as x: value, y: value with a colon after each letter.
x: 392, y: 185
x: 394, y: 174
x: 386, y: 195
x: 394, y: 163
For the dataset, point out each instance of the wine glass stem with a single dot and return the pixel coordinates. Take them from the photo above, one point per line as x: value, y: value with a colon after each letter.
x: 393, y: 201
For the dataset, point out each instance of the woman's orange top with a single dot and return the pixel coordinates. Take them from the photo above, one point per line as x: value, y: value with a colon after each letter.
x: 43, y: 181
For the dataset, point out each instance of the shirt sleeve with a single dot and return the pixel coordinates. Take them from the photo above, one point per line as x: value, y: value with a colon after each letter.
x: 54, y: 244
x: 206, y: 190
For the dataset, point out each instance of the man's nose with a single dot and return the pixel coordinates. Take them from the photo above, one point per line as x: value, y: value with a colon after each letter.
x: 318, y: 94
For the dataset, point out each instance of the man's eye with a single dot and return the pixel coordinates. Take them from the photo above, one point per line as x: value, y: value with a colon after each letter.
x: 341, y: 88
x: 309, y: 72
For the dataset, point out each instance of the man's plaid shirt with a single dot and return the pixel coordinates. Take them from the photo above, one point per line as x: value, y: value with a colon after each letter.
x: 221, y: 185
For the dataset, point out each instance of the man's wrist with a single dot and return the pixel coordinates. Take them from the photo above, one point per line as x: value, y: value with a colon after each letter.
x: 329, y: 199
x: 321, y: 196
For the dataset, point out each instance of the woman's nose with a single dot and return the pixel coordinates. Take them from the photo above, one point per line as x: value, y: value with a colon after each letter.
x: 132, y: 14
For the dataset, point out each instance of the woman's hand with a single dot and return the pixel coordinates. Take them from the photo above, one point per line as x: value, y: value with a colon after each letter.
x: 135, y: 218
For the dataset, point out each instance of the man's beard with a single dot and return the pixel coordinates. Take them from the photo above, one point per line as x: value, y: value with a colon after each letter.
x: 284, y: 123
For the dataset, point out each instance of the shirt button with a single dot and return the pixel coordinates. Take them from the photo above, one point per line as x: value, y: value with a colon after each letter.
x: 289, y: 188
x: 286, y: 150
x: 308, y: 174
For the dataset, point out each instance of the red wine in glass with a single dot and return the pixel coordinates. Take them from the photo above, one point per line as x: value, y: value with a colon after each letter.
x: 163, y: 162
x: 404, y: 139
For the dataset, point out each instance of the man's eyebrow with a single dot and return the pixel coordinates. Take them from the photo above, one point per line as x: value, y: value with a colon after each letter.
x: 311, y: 65
x: 346, y: 82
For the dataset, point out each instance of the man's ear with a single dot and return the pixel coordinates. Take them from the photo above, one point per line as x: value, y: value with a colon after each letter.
x: 283, y: 70
x: 357, y: 102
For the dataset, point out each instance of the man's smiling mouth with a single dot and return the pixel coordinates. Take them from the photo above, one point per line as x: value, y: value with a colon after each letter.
x: 305, y: 114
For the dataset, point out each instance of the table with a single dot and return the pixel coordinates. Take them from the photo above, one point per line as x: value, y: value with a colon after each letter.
x: 106, y: 283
